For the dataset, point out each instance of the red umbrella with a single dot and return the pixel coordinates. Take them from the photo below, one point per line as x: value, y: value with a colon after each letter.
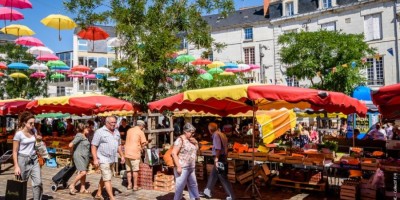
x: 12, y: 106
x: 201, y: 61
x: 29, y: 41
x: 1, y: 74
x: 10, y: 14
x: 90, y: 76
x: 47, y: 57
x: 93, y: 33
x: 21, y: 4
x: 387, y: 99
x: 80, y: 68
x: 3, y: 66
x: 77, y: 75
x: 79, y: 105
x: 38, y: 75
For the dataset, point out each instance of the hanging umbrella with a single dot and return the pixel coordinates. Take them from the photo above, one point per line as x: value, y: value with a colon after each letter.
x: 39, y: 51
x: 18, y: 75
x: 10, y: 14
x: 22, y: 66
x: 185, y: 58
x: 114, y: 42
x: 79, y: 104
x: 76, y: 75
x: 29, y: 41
x: 80, y: 68
x: 57, y: 76
x: 201, y: 61
x: 90, y: 76
x: 99, y: 76
x: 121, y: 69
x: 93, y: 33
x: 40, y: 67
x: 216, y: 64
x: 47, y: 57
x: 38, y: 75
x: 226, y: 74
x: 3, y: 65
x: 12, y: 106
x: 17, y: 30
x: 253, y: 66
x: 56, y: 63
x: 234, y: 70
x: 62, y: 69
x: 59, y: 22
x: 206, y: 76
x: 216, y: 70
x: 387, y: 99
x: 230, y: 65
x: 101, y: 70
x: 21, y: 4
x: 201, y: 71
x: 112, y: 78
x: 244, y: 67
x: 1, y: 74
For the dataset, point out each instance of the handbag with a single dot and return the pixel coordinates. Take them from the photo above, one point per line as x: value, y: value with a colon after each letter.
x: 152, y: 157
x: 16, y: 189
x: 168, y: 160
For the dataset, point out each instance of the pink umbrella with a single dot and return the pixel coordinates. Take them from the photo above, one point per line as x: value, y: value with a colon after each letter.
x: 234, y: 70
x: 253, y: 66
x: 76, y: 75
x: 201, y: 71
x: 47, y: 57
x: 38, y: 75
x: 10, y: 14
x: 63, y: 71
x: 21, y: 4
x: 29, y: 41
x: 90, y: 76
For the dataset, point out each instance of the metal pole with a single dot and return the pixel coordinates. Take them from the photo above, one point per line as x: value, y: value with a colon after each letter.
x: 262, y: 74
x: 396, y: 42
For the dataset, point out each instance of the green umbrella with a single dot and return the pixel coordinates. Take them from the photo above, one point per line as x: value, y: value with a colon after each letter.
x: 185, y: 59
x: 57, y: 76
x: 216, y: 70
x: 55, y: 63
x: 53, y: 115
x: 206, y: 76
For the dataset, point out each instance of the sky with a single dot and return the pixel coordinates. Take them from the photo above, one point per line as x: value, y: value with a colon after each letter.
x: 49, y: 36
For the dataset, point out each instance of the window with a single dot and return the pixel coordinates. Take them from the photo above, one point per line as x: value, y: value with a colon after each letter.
x: 82, y: 45
x: 60, y: 91
x: 327, y: 3
x: 372, y: 27
x: 248, y: 33
x: 331, y: 26
x: 292, y: 81
x: 289, y: 8
x: 375, y: 71
x: 102, y: 62
x: 92, y: 62
x: 249, y: 55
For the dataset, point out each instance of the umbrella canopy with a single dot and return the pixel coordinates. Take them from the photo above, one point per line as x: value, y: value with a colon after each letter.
x: 47, y: 57
x: 230, y: 65
x: 121, y: 69
x: 79, y: 105
x: 38, y: 75
x: 80, y: 68
x: 52, y: 115
x: 216, y: 70
x: 39, y: 51
x: 41, y: 67
x: 12, y: 106
x: 18, y: 76
x: 3, y: 65
x: 244, y: 67
x: 18, y: 66
x: 102, y: 70
x: 114, y: 42
x: 21, y: 4
x: 29, y: 41
x: 185, y: 58
x: 90, y: 76
x: 253, y: 66
x: 226, y: 74
x: 242, y: 98
x: 59, y: 22
x: 201, y: 61
x: 57, y: 76
x: 216, y: 64
x: 93, y: 33
x: 61, y: 70
x: 112, y: 78
x: 201, y: 71
x: 77, y: 75
x: 206, y: 76
x: 234, y: 70
x: 10, y: 14
x: 56, y: 63
x: 17, y: 30
x: 1, y: 74
x: 387, y: 99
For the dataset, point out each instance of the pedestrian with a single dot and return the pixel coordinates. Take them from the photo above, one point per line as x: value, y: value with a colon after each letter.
x: 26, y: 162
x: 123, y: 129
x: 184, y: 155
x: 220, y: 168
x: 377, y: 133
x: 91, y: 130
x: 81, y: 149
x: 106, y: 144
x: 135, y: 141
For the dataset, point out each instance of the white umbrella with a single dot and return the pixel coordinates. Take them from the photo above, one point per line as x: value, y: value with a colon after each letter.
x: 243, y: 67
x: 114, y: 42
x: 101, y: 70
x: 39, y: 51
x: 112, y: 78
x: 39, y: 67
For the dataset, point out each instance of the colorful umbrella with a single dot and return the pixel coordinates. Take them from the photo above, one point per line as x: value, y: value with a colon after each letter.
x: 201, y: 71
x: 62, y: 69
x: 201, y: 61
x: 253, y: 66
x: 387, y: 99
x: 93, y: 33
x: 39, y: 51
x: 47, y: 57
x: 12, y: 106
x: 230, y: 65
x: 18, y: 75
x: 3, y: 65
x: 39, y: 67
x: 102, y: 70
x: 57, y: 76
x: 112, y: 78
x: 17, y: 30
x: 185, y: 58
x: 234, y: 70
x: 244, y: 67
x: 22, y: 66
x: 1, y: 74
x: 216, y: 70
x: 38, y: 75
x: 121, y: 69
x: 90, y: 76
x: 59, y: 22
x: 226, y: 74
x: 56, y: 63
x: 29, y: 41
x: 216, y: 64
x: 10, y: 14
x: 77, y: 75
x: 206, y: 76
x: 114, y: 42
x: 79, y: 105
x: 80, y: 68
x: 21, y: 4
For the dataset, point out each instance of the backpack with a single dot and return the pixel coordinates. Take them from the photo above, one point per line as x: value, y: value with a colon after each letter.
x: 169, y: 161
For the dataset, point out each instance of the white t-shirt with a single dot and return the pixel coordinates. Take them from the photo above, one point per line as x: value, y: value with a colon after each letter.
x: 26, y: 145
x: 389, y: 132
x: 378, y: 134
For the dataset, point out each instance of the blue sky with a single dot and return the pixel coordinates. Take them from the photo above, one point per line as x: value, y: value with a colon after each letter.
x: 49, y: 36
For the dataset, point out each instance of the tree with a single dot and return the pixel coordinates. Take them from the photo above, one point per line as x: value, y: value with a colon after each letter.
x: 149, y: 30
x: 330, y: 60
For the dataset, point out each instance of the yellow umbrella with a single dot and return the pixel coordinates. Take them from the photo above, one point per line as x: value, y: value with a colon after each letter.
x: 59, y: 22
x: 18, y: 75
x: 17, y: 30
x: 216, y: 64
x: 226, y: 74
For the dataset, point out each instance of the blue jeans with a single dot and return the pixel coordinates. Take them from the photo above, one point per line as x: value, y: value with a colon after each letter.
x: 187, y: 177
x: 212, y: 180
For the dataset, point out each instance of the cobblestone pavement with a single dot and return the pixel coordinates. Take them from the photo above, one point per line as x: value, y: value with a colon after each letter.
x: 122, y: 194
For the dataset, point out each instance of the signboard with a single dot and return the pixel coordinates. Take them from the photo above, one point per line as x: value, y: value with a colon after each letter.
x: 362, y: 124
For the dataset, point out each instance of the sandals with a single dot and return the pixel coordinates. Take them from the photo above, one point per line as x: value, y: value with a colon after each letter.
x: 85, y: 192
x: 98, y: 197
x: 72, y: 191
x: 136, y: 188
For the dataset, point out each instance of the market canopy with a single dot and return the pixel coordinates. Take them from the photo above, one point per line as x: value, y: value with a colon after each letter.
x: 387, y: 99
x: 12, y: 106
x: 242, y: 98
x: 79, y: 105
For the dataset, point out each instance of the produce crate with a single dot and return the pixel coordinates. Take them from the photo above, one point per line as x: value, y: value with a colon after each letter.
x: 234, y: 166
x: 233, y: 155
x: 293, y: 160
x: 313, y: 161
x: 164, y: 182
x: 369, y: 164
x: 276, y: 158
x: 276, y: 181
x: 349, y: 189
x: 259, y: 156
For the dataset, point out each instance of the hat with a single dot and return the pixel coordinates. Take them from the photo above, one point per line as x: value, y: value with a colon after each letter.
x: 188, y: 127
x: 140, y: 122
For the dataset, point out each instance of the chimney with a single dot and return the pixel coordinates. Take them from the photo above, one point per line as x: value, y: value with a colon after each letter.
x: 266, y: 7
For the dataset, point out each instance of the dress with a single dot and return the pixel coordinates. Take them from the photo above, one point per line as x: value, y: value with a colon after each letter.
x: 81, y: 152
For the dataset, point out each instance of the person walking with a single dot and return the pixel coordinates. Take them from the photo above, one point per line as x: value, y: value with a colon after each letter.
x: 81, y: 149
x: 106, y: 144
x: 135, y: 141
x: 123, y: 129
x: 184, y: 155
x: 25, y: 159
x: 219, y: 171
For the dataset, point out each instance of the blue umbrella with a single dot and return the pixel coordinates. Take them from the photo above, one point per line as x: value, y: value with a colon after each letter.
x: 99, y: 76
x: 60, y: 68
x: 121, y: 69
x: 230, y: 66
x: 18, y: 66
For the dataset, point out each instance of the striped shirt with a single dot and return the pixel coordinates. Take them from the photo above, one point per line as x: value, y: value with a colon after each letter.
x: 107, y: 144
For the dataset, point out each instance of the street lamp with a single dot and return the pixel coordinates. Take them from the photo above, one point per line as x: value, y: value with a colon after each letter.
x: 262, y: 69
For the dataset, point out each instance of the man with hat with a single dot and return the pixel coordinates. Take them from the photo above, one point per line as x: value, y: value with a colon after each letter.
x: 135, y: 141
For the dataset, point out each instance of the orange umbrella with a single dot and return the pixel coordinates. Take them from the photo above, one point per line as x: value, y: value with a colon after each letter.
x: 80, y: 68
x: 93, y: 33
x: 201, y: 61
x: 3, y: 66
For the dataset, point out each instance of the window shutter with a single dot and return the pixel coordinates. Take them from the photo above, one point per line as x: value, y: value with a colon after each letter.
x: 376, y: 26
x: 368, y: 27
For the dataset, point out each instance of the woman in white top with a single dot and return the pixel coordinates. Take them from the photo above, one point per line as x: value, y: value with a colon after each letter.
x: 26, y: 162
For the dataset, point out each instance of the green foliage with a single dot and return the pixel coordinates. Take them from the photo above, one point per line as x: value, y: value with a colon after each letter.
x: 320, y: 56
x: 149, y: 30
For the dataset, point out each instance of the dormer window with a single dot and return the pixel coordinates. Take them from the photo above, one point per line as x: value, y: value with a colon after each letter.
x: 289, y: 8
x: 325, y: 4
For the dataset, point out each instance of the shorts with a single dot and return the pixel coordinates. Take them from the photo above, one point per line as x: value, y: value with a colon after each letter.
x: 106, y: 172
x: 132, y: 165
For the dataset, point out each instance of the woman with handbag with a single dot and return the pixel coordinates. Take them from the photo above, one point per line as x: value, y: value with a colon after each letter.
x: 184, y: 154
x: 81, y: 149
x: 25, y: 158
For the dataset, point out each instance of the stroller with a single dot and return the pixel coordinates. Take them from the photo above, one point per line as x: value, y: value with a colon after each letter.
x: 4, y: 158
x: 63, y: 176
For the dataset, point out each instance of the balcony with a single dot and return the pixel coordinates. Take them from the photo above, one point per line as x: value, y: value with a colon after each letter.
x: 376, y: 82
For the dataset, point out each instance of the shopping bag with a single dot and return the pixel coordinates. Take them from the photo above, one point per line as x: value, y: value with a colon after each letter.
x: 16, y: 189
x: 152, y: 156
x: 41, y: 149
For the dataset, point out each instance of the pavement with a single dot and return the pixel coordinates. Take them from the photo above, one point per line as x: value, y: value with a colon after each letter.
x: 122, y: 193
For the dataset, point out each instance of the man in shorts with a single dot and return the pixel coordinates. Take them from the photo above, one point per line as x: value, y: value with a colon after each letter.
x: 106, y: 144
x: 135, y: 141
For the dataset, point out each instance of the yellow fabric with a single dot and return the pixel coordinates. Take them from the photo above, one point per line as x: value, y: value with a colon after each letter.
x: 216, y: 64
x: 118, y: 113
x: 264, y: 104
x: 226, y: 74
x: 234, y: 92
x: 61, y: 100
x: 330, y: 115
x: 59, y: 22
x: 263, y: 149
x: 11, y: 100
x: 275, y: 123
x: 18, y: 75
x: 17, y: 30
